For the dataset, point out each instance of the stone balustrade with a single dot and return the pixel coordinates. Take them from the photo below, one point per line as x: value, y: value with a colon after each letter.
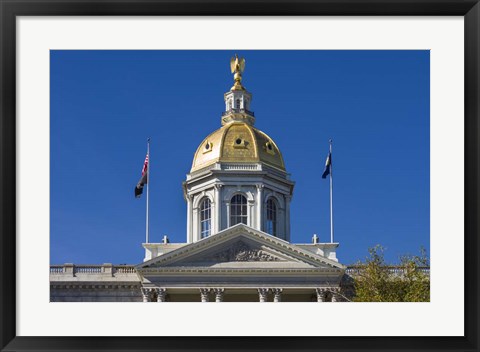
x: 356, y: 270
x: 69, y: 269
x: 242, y: 167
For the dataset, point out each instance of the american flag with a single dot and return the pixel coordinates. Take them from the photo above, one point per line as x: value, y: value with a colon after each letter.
x: 143, y: 180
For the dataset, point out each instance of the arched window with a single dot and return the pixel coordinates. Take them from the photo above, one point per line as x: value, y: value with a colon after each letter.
x: 238, y: 104
x: 205, y: 218
x: 271, y: 225
x: 238, y: 210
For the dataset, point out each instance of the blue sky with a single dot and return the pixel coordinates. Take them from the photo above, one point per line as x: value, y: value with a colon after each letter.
x: 104, y: 104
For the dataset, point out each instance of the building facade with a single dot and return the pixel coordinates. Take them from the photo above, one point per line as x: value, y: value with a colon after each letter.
x: 238, y: 243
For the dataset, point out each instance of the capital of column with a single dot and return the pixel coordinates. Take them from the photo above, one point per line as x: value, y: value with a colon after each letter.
x: 262, y: 294
x: 218, y: 186
x: 277, y: 294
x: 321, y: 294
x: 260, y: 186
x: 219, y: 294
x: 335, y: 294
x: 204, y: 294
x: 161, y: 294
x: 147, y: 294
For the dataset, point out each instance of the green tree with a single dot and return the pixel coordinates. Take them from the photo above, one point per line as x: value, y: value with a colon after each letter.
x: 377, y: 281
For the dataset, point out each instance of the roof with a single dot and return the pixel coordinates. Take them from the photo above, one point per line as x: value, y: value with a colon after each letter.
x: 237, y: 142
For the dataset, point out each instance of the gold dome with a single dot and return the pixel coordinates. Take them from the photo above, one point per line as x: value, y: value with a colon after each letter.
x: 237, y: 142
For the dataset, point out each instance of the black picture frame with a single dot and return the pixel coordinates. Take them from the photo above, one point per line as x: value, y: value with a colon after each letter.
x: 9, y: 10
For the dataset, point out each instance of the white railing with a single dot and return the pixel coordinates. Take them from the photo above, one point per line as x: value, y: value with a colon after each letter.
x: 56, y: 269
x: 352, y: 271
x: 124, y: 269
x: 108, y: 269
x: 87, y: 269
x: 242, y: 167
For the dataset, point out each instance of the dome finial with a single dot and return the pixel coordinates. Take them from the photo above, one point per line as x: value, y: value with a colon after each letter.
x: 237, y: 66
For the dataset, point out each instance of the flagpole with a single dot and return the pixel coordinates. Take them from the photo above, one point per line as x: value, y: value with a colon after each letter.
x: 148, y: 187
x: 331, y: 194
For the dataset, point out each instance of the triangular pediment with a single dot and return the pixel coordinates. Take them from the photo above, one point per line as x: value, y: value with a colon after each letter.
x: 241, y: 246
x: 239, y: 249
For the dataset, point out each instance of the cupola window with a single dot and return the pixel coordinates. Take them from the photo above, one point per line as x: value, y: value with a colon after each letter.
x: 238, y: 104
x: 271, y: 223
x: 205, y: 218
x: 238, y: 210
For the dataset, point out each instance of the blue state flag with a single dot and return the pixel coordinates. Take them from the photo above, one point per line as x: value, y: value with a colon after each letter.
x: 328, y: 166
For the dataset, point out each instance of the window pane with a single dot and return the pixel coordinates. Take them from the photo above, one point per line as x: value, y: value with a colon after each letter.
x: 238, y: 210
x: 271, y: 223
x: 205, y: 218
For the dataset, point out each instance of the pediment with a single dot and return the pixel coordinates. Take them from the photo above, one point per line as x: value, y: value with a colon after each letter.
x: 240, y: 247
x: 239, y: 250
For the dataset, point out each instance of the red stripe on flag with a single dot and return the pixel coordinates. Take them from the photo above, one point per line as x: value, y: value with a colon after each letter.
x: 145, y: 165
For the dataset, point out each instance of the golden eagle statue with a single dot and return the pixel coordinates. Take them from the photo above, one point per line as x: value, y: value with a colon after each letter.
x: 237, y: 64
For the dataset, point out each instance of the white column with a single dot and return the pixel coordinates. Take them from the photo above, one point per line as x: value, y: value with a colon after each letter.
x: 321, y: 292
x: 288, y: 198
x: 195, y: 224
x: 277, y: 292
x: 218, y: 207
x: 227, y: 204
x: 219, y: 294
x: 335, y: 294
x: 262, y: 294
x: 161, y: 294
x: 189, y: 219
x: 147, y: 294
x: 204, y: 294
x: 250, y: 221
x: 259, y: 206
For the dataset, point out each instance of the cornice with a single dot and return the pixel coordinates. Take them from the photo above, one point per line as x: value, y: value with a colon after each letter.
x: 240, y: 271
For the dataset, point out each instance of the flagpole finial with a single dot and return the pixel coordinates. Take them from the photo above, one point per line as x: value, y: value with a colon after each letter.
x: 330, y: 141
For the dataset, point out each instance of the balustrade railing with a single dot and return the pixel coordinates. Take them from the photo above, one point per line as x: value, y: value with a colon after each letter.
x: 240, y: 167
x: 356, y: 270
x: 245, y: 111
x: 56, y: 269
x: 124, y: 269
x: 130, y: 269
x: 87, y: 269
x: 71, y: 269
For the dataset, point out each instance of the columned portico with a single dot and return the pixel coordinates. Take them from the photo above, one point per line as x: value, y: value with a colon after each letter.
x: 241, y: 261
x: 232, y: 294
